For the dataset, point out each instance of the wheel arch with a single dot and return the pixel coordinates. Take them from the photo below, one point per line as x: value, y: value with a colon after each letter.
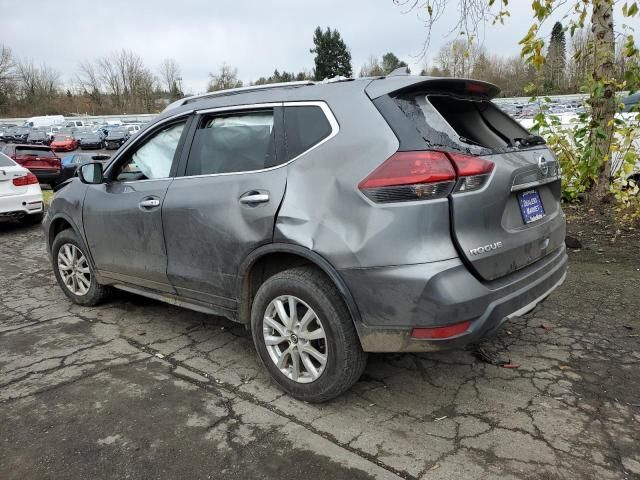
x: 62, y: 222
x: 280, y: 256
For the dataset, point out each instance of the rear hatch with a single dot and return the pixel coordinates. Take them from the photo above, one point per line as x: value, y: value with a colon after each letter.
x: 506, y: 214
x: 37, y: 158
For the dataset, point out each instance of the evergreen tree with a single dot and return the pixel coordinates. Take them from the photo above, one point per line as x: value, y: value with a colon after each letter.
x: 554, y: 71
x: 390, y: 62
x: 332, y: 58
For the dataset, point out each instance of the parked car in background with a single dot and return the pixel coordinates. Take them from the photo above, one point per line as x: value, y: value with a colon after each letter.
x: 20, y: 134
x: 132, y: 128
x: 20, y: 193
x: 39, y: 159
x: 38, y: 137
x: 70, y: 163
x: 116, y: 138
x: 92, y: 140
x: 52, y: 131
x: 404, y: 213
x: 44, y: 121
x: 631, y: 103
x: 64, y: 143
x: 73, y: 123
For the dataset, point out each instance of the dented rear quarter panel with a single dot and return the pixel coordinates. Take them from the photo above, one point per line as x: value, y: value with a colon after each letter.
x: 324, y: 211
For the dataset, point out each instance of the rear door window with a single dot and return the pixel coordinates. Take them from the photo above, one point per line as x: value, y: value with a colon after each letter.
x: 233, y: 143
x: 469, y: 124
x: 305, y: 127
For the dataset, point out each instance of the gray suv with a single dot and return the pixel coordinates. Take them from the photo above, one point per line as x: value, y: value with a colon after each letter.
x: 398, y: 214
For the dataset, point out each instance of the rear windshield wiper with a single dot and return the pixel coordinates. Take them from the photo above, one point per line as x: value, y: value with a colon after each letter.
x: 529, y: 141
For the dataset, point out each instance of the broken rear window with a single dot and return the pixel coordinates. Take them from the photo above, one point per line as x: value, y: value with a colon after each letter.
x: 470, y: 124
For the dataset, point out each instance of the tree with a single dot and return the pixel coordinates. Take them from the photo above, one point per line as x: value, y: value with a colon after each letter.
x: 7, y: 78
x: 602, y: 98
x: 278, y: 77
x: 171, y: 78
x: 372, y: 68
x: 225, y: 79
x: 555, y: 62
x: 390, y: 63
x: 333, y: 58
x: 457, y: 58
x: 375, y: 68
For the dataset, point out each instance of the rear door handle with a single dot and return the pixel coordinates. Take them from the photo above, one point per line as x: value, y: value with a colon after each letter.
x: 150, y: 203
x: 254, y: 198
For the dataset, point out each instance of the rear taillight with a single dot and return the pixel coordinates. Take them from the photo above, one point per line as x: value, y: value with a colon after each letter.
x: 473, y: 172
x: 28, y: 179
x: 407, y: 176
x: 425, y: 175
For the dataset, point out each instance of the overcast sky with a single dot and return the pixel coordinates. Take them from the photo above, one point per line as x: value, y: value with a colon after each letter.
x: 254, y: 36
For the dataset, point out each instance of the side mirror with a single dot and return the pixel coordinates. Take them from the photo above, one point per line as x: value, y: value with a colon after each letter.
x: 91, y: 173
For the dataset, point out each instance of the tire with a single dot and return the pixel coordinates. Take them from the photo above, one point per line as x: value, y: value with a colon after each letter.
x: 345, y: 360
x: 33, y: 219
x: 95, y: 293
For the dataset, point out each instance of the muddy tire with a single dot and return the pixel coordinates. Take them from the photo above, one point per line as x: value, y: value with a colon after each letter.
x: 74, y: 271
x: 305, y: 336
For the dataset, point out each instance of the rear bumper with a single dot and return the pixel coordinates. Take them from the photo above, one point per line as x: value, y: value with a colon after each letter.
x: 47, y: 176
x: 25, y: 204
x: 394, y: 300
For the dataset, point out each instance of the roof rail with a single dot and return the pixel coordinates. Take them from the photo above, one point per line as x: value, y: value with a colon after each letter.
x: 231, y: 91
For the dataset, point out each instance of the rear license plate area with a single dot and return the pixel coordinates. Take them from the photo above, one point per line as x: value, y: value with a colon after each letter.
x: 530, y: 205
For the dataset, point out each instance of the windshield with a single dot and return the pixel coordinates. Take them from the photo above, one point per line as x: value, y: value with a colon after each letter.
x: 117, y: 133
x: 61, y: 138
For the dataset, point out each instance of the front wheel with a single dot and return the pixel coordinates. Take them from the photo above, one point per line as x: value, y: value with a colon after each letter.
x: 304, y: 335
x: 74, y: 272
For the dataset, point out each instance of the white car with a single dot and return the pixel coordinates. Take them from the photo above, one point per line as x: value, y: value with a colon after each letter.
x: 20, y: 194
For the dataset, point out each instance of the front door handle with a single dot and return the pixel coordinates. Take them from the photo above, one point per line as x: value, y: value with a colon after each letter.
x: 150, y: 203
x: 254, y: 198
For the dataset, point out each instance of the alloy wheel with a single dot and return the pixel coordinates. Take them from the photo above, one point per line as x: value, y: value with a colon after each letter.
x: 295, y: 339
x: 74, y: 269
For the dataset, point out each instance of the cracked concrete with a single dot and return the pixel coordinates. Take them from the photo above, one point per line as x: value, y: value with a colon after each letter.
x: 140, y: 389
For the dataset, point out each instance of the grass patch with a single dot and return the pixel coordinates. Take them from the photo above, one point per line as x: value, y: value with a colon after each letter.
x: 47, y: 195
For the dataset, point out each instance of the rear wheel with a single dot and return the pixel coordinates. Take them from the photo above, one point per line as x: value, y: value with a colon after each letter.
x: 74, y: 272
x: 304, y: 335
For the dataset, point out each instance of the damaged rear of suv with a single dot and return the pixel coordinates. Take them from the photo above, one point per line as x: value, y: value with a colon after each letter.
x: 333, y: 219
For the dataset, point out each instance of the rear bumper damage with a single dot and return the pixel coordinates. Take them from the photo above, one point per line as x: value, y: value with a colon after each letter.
x: 394, y: 300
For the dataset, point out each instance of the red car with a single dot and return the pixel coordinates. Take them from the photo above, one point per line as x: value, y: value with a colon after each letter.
x: 64, y: 143
x: 39, y: 159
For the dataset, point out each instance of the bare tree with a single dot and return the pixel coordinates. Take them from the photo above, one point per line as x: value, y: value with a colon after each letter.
x: 226, y: 78
x: 171, y: 78
x: 7, y: 65
x: 372, y: 68
x: 7, y: 77
x: 457, y: 58
x: 108, y: 75
x: 472, y: 16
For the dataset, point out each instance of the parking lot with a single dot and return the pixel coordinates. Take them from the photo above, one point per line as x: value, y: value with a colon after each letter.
x: 140, y: 389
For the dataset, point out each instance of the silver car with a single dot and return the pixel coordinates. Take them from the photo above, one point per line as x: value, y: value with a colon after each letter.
x: 399, y: 214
